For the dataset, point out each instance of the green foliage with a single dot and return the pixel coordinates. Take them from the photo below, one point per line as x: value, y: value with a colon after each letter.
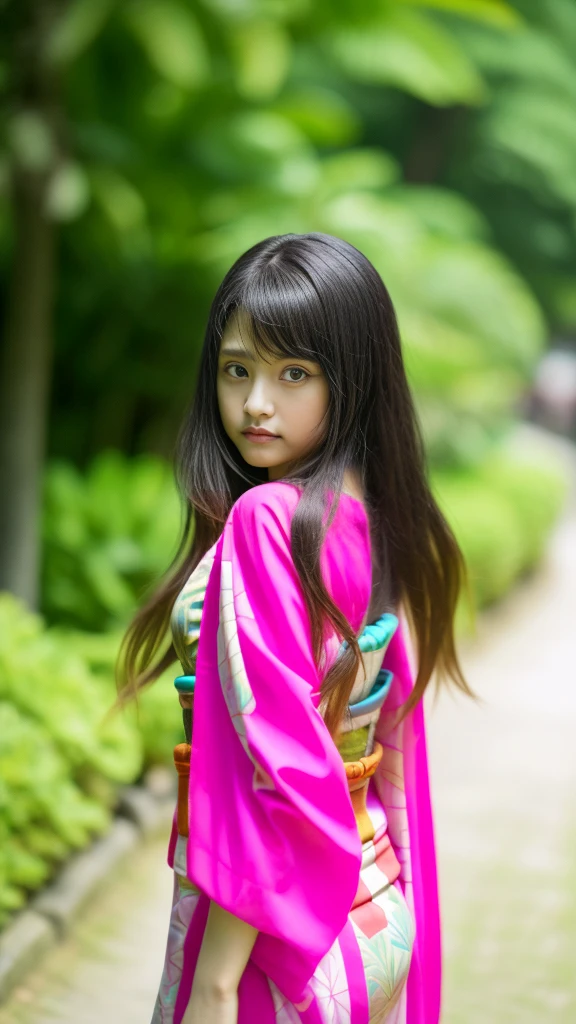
x: 200, y: 129
x: 159, y: 719
x: 172, y: 40
x: 107, y: 536
x: 435, y: 134
x: 495, y: 12
x: 59, y: 765
x: 156, y: 714
x: 501, y: 513
x: 408, y: 49
x: 61, y: 758
x: 517, y: 163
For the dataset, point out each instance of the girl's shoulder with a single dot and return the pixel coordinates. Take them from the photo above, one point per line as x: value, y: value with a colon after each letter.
x: 271, y: 492
x: 274, y: 492
x: 260, y: 531
x: 274, y: 502
x: 276, y: 497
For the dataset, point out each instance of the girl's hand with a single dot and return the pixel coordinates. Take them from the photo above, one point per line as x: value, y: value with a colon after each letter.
x: 205, y: 1007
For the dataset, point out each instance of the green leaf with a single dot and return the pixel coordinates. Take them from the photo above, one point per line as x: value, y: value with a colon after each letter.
x: 323, y: 115
x: 68, y: 193
x: 474, y: 288
x: 262, y: 51
x: 77, y: 28
x: 259, y: 146
x: 11, y: 898
x: 527, y: 55
x: 360, y: 168
x: 25, y: 868
x: 559, y: 16
x: 443, y: 211
x: 495, y: 12
x: 409, y: 50
x: 539, y: 129
x: 31, y: 140
x: 171, y: 37
x: 120, y: 200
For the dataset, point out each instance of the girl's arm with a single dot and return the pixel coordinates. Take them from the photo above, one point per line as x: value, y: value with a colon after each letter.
x: 225, y: 951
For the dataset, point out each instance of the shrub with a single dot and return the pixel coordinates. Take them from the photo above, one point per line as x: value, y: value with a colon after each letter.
x: 156, y: 715
x: 107, y: 535
x: 59, y: 767
x: 501, y: 512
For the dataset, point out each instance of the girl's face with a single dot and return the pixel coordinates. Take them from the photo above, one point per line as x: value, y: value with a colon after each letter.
x: 286, y: 397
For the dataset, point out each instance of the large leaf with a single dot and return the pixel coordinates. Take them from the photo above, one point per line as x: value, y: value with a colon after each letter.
x: 360, y: 168
x: 495, y: 12
x: 107, y: 536
x: 259, y: 146
x: 121, y: 202
x: 172, y: 39
x: 443, y: 211
x: 474, y: 288
x: 77, y: 28
x: 527, y: 54
x: 559, y: 17
x: 539, y: 129
x: 409, y: 50
x: 321, y: 114
x: 460, y: 281
x: 262, y: 50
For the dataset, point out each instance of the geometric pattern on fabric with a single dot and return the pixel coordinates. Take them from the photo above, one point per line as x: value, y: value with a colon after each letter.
x: 386, y: 952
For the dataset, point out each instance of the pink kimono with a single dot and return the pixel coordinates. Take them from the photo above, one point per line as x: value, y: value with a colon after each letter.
x: 348, y: 932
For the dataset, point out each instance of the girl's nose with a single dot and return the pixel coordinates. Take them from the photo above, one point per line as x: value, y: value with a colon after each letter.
x: 259, y: 403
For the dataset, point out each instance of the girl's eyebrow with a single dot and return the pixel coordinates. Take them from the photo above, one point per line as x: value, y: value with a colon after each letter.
x: 243, y: 353
x: 239, y: 353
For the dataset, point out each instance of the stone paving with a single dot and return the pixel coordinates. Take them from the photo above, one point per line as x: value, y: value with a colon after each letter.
x: 108, y: 971
x: 504, y: 783
x: 504, y: 788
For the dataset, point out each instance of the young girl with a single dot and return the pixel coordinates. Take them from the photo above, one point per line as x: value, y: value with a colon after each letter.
x: 302, y: 845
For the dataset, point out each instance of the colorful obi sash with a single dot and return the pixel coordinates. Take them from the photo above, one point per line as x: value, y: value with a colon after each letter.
x: 360, y: 753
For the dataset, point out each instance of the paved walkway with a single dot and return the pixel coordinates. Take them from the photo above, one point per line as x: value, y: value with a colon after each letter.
x: 504, y: 787
x: 504, y: 783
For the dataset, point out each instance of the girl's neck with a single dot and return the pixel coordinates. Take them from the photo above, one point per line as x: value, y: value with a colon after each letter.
x: 351, y: 484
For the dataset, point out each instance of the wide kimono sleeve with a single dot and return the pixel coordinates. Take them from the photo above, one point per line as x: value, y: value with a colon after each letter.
x: 273, y: 836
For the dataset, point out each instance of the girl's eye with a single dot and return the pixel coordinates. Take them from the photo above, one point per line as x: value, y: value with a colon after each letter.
x: 295, y: 373
x: 295, y: 369
x: 237, y: 366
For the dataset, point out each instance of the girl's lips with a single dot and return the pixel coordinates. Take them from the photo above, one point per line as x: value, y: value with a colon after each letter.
x: 260, y: 438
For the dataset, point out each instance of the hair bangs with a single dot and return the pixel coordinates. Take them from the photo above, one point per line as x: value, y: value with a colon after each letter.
x: 282, y: 311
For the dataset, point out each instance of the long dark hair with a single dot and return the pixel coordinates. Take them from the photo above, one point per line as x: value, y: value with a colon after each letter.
x: 316, y: 297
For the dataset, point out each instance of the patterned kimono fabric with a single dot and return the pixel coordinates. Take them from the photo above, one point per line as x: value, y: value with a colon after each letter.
x: 276, y: 823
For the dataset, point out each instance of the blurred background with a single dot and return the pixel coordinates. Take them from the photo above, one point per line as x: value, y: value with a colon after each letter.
x: 145, y: 144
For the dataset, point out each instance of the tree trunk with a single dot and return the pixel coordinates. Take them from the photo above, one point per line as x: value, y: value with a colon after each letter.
x: 433, y: 144
x: 25, y: 365
x: 26, y: 353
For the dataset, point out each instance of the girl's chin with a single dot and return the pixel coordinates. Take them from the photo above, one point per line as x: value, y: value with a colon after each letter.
x: 261, y: 461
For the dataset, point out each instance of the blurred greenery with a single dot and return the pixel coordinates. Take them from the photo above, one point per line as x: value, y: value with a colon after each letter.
x: 106, y: 536
x: 60, y: 763
x: 435, y: 135
x: 501, y: 513
x: 144, y: 146
x: 56, y: 770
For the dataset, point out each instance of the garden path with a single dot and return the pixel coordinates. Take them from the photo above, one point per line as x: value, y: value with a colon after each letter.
x: 504, y: 784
